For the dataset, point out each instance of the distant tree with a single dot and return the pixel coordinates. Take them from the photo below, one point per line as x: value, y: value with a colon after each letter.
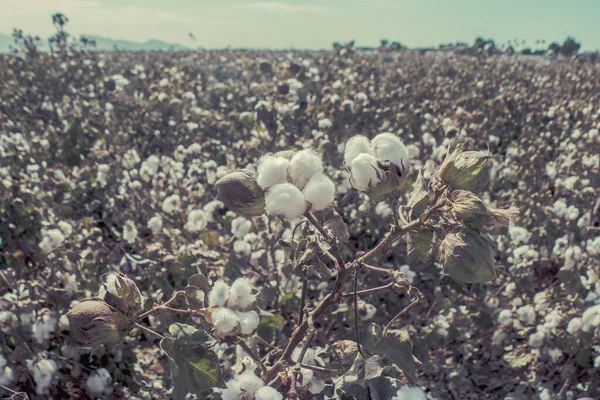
x: 570, y: 47
x: 526, y: 51
x: 396, y: 46
x: 554, y: 48
x: 384, y: 42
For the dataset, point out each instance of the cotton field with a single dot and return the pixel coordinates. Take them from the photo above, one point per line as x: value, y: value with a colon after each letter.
x: 383, y: 224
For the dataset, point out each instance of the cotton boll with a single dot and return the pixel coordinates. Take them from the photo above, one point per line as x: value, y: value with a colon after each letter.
x: 242, y: 247
x: 357, y: 145
x: 155, y: 224
x: 267, y: 393
x: 303, y: 165
x: 285, y: 200
x: 43, y: 372
x: 98, y: 382
x: 224, y: 320
x: 536, y: 340
x: 319, y: 191
x: 271, y: 171
x: 197, y: 220
x: 364, y: 172
x: 52, y: 238
x: 574, y: 326
x: 65, y: 228
x: 240, y: 226
x: 505, y: 317
x: 219, y: 294
x: 389, y: 147
x: 171, y: 204
x: 241, y: 296
x: 130, y: 232
x: 250, y: 382
x: 248, y: 321
x: 526, y: 314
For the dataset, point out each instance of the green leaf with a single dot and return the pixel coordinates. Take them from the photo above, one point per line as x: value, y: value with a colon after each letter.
x: 399, y: 349
x: 420, y: 245
x: 269, y: 326
x: 195, y: 368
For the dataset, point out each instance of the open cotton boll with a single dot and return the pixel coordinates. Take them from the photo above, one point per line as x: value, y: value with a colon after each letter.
x: 364, y: 171
x: 319, y: 191
x: 357, y: 145
x: 303, y: 165
x: 248, y: 321
x: 130, y: 232
x: 271, y: 171
x: 285, y: 200
x: 219, y: 294
x: 390, y: 148
x: 224, y: 320
x: 267, y: 393
x: 240, y: 295
x: 155, y: 224
x: 409, y: 393
x: 196, y: 221
x: 99, y: 382
x: 250, y: 382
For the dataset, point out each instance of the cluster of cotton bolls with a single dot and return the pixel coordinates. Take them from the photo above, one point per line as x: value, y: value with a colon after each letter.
x: 363, y: 156
x: 294, y: 185
x: 248, y: 386
x: 228, y: 311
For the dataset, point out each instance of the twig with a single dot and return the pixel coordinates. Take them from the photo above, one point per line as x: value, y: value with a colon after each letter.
x: 239, y: 341
x: 331, y: 239
x: 371, y: 290
x: 158, y: 308
x: 404, y: 311
x: 142, y: 327
x: 356, y: 315
x: 303, y: 298
x: 316, y: 368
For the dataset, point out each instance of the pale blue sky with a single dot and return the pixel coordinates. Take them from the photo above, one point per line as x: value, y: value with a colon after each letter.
x: 313, y: 24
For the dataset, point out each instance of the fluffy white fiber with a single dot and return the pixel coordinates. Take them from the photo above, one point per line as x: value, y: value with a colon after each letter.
x: 240, y: 295
x: 248, y: 321
x: 196, y: 221
x: 364, y: 171
x: 390, y: 148
x: 219, y: 294
x: 409, y: 393
x: 357, y: 145
x: 303, y: 165
x: 224, y: 320
x: 99, y: 382
x: 319, y: 191
x: 285, y: 200
x: 271, y: 171
x: 267, y: 393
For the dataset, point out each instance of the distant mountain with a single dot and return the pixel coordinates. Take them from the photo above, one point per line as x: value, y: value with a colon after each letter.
x: 107, y: 44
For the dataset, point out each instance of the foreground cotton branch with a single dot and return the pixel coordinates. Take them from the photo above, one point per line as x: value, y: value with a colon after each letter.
x: 443, y: 217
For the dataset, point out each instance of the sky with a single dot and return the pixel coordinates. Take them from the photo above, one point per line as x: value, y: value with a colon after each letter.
x: 312, y: 24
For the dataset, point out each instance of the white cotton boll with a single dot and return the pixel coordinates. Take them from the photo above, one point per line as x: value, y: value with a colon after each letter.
x: 224, y: 320
x: 409, y: 393
x: 240, y: 295
x: 248, y: 321
x: 155, y: 224
x: 319, y: 191
x: 316, y: 385
x: 242, y: 247
x: 498, y: 337
x: 171, y: 204
x: 536, y: 340
x: 99, y: 382
x: 271, y: 171
x: 519, y: 235
x: 389, y: 147
x: 356, y: 145
x: 526, y: 314
x: 303, y: 166
x: 590, y: 319
x: 65, y: 228
x: 43, y: 373
x: 250, y: 382
x: 267, y: 393
x: 240, y: 226
x: 43, y: 328
x: 574, y: 326
x: 219, y: 294
x: 130, y: 232
x: 51, y: 240
x: 364, y: 172
x: 505, y: 317
x: 285, y: 200
x: 196, y: 221
x: 408, y: 273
